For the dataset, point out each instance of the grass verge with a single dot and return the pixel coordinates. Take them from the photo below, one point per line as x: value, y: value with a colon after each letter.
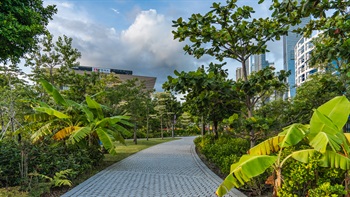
x: 123, y: 151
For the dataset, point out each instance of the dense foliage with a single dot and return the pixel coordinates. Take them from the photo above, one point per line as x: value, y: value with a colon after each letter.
x: 18, y: 159
x: 21, y: 22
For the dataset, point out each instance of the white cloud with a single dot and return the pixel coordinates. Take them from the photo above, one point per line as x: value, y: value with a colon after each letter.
x: 146, y: 46
x: 115, y: 10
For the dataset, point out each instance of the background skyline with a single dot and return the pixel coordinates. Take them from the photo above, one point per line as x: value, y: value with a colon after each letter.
x: 136, y: 34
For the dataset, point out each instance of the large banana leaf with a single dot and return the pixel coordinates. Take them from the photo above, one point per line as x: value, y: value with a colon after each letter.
x: 51, y: 90
x: 320, y: 122
x: 51, y: 112
x: 337, y: 109
x: 329, y: 159
x: 347, y: 137
x: 37, y: 117
x: 293, y: 134
x: 106, y: 139
x: 335, y: 160
x: 121, y: 130
x: 44, y: 130
x: 241, y: 172
x: 80, y: 134
x: 267, y: 147
x: 302, y: 155
x: 65, y: 132
x: 92, y: 104
x: 321, y: 141
x: 88, y: 113
x: 330, y: 117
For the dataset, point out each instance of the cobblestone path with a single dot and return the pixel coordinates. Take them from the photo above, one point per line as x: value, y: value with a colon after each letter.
x: 170, y: 169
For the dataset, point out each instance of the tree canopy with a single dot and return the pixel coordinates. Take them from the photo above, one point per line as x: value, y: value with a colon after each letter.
x: 21, y: 22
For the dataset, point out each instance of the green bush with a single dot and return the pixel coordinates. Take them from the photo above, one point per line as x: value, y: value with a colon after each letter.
x: 327, y: 190
x: 309, y: 179
x: 18, y: 159
x: 223, y: 151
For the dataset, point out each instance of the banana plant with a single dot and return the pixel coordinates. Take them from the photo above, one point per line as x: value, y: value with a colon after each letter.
x: 324, y: 134
x: 77, y: 122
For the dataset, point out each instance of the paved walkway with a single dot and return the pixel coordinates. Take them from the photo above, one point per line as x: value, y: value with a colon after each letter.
x: 168, y: 169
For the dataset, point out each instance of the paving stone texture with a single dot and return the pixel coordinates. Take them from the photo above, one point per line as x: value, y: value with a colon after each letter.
x: 165, y: 170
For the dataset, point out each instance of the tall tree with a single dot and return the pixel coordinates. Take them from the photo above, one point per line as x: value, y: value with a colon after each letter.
x: 132, y: 98
x: 53, y: 60
x: 209, y: 94
x: 229, y: 31
x: 13, y: 92
x: 162, y: 109
x: 21, y: 22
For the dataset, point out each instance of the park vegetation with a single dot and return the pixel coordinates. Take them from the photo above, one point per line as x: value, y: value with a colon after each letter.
x: 63, y: 124
x: 262, y: 143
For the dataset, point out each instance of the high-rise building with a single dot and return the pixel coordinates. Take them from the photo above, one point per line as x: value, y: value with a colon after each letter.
x: 289, y: 43
x: 303, y: 50
x: 259, y: 62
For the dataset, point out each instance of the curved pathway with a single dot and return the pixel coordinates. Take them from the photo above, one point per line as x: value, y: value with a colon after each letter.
x: 168, y: 169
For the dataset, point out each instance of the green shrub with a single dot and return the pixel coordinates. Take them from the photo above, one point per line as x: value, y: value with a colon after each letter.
x: 327, y: 190
x: 223, y: 151
x: 47, y: 158
x: 309, y: 179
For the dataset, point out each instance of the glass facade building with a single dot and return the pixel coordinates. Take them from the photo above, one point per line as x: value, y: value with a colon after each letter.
x: 289, y: 43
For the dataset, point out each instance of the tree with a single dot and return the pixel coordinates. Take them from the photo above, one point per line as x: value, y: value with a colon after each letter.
x: 13, y: 92
x: 209, y: 94
x: 21, y: 23
x: 330, y: 17
x: 132, y: 98
x: 324, y: 134
x: 54, y: 61
x: 161, y: 108
x: 229, y: 32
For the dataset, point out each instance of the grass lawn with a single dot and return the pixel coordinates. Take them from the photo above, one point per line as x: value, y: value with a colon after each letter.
x: 123, y: 151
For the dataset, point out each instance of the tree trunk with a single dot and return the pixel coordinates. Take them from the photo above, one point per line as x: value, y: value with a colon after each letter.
x: 203, y: 126
x: 251, y: 132
x: 173, y: 127
x: 135, y: 134
x: 161, y: 127
x: 215, y: 129
x: 147, y: 128
x: 278, y: 182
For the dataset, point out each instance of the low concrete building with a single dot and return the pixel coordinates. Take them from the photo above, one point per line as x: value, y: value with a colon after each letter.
x: 123, y: 75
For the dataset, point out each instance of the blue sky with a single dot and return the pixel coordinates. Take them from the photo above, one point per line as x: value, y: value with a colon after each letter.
x: 136, y: 34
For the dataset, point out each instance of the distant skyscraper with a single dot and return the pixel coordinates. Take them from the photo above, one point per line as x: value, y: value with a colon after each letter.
x: 289, y: 43
x: 303, y: 50
x: 259, y: 62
